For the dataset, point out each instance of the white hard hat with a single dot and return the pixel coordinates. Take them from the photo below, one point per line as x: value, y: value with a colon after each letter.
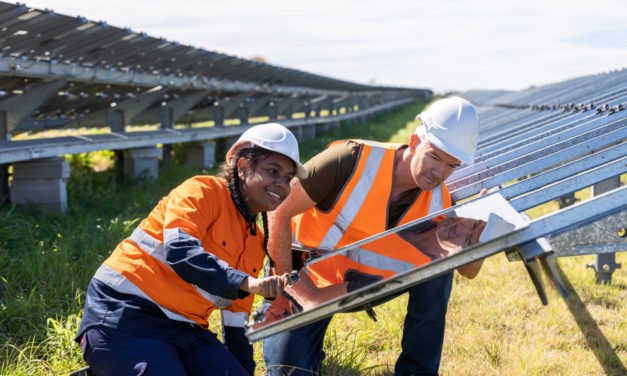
x: 273, y: 137
x: 495, y: 227
x: 452, y: 125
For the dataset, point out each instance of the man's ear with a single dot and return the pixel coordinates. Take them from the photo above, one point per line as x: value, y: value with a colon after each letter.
x: 414, y: 140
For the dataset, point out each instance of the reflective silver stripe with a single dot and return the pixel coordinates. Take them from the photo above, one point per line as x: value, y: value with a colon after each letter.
x: 437, y: 202
x: 351, y: 208
x: 148, y: 244
x: 119, y: 283
x: 236, y: 319
x: 155, y: 249
x: 218, y: 301
x: 375, y: 260
x: 355, y: 200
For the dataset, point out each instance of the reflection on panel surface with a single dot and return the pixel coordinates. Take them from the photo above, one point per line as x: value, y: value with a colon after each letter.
x: 338, y: 275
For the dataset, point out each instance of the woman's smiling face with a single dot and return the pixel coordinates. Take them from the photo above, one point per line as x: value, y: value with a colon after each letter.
x: 266, y: 185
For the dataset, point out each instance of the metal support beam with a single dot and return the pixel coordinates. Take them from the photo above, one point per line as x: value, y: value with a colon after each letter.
x: 19, y: 107
x: 243, y: 113
x: 605, y: 263
x: 167, y: 123
x: 179, y: 106
x: 605, y: 236
x: 4, y: 168
x: 218, y: 115
x: 117, y: 124
x: 273, y: 110
x: 107, y: 76
x: 133, y: 109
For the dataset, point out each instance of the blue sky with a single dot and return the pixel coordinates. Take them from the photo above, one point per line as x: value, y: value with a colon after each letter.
x: 438, y: 44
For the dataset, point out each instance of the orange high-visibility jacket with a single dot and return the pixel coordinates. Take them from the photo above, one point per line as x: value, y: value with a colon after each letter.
x: 361, y: 211
x: 199, y: 209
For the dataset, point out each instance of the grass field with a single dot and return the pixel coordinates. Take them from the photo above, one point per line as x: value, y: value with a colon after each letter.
x: 496, y: 324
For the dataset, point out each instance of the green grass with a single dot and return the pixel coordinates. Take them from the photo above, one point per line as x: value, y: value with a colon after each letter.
x: 496, y: 324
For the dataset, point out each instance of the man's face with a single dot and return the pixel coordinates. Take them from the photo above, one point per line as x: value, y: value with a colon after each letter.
x: 431, y: 166
x: 454, y: 234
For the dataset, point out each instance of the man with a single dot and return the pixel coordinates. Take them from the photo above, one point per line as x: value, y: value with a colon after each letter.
x: 356, y: 189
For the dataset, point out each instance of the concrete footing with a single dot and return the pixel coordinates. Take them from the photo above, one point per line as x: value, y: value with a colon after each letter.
x: 41, y: 183
x: 200, y: 154
x: 142, y: 163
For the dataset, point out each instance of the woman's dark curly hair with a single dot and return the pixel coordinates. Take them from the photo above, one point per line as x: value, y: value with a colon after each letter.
x: 230, y: 173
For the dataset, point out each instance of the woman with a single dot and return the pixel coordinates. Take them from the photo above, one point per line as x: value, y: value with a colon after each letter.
x: 199, y: 250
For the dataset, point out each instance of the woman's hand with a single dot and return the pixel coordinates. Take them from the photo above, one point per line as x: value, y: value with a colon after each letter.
x: 269, y: 287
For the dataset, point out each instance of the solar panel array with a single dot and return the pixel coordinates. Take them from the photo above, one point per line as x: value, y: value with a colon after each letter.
x: 58, y: 71
x: 548, y: 142
x: 535, y: 146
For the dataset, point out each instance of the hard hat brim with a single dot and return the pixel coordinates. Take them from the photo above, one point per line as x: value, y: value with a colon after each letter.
x: 444, y: 146
x: 496, y: 226
x: 450, y: 149
x: 301, y: 170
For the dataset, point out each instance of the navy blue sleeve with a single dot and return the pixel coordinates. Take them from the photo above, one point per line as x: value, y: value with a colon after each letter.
x: 185, y: 254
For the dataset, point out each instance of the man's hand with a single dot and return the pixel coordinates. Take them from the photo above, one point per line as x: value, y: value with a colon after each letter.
x: 269, y: 287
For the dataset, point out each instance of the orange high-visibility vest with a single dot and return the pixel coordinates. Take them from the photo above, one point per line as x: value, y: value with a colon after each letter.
x: 361, y: 211
x: 201, y: 207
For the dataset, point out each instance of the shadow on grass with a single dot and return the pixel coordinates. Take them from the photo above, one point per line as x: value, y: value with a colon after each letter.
x: 595, y: 338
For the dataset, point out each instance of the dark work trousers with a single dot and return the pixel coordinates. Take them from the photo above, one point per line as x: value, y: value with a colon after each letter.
x: 299, y: 352
x: 111, y: 352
